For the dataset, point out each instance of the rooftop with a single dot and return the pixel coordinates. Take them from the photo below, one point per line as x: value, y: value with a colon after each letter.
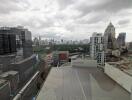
x: 76, y: 83
x: 2, y: 82
x: 6, y: 74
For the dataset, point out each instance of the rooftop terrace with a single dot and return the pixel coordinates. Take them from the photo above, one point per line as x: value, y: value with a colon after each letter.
x: 76, y: 83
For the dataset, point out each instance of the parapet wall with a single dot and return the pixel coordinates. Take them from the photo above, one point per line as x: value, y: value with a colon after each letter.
x: 84, y: 63
x: 119, y: 76
x: 25, y: 68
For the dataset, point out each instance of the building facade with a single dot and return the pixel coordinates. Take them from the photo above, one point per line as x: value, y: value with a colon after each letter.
x: 121, y: 39
x: 97, y: 48
x: 7, y: 43
x: 96, y: 44
x: 13, y: 39
x: 101, y: 58
x: 17, y: 61
x: 109, y: 38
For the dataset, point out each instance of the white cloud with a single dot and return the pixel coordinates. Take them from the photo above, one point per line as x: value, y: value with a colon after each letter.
x: 67, y: 18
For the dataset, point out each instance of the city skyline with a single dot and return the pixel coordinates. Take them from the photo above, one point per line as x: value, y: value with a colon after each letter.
x: 68, y: 18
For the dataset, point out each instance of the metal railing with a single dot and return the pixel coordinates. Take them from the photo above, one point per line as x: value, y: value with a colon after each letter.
x: 20, y: 94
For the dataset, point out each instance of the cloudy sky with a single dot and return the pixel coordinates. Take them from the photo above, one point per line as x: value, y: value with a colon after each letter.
x: 67, y: 19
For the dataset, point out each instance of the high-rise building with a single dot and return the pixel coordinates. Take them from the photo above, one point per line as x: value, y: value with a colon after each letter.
x: 7, y: 43
x: 109, y: 37
x: 96, y: 44
x: 36, y: 41
x: 130, y: 45
x: 121, y: 39
x: 15, y: 38
x: 17, y: 61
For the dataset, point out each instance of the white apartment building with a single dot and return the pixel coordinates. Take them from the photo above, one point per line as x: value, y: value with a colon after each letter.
x: 97, y: 48
x: 96, y: 44
x: 101, y: 58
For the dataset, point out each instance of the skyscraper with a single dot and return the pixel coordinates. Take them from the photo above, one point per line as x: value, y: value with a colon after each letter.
x: 7, y: 42
x: 14, y: 38
x: 109, y: 38
x: 121, y: 39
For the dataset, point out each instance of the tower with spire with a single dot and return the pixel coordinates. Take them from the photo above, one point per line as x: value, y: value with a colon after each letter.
x: 109, y: 38
x: 110, y: 30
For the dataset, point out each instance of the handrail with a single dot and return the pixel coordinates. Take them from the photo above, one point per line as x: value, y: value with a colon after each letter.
x: 19, y: 95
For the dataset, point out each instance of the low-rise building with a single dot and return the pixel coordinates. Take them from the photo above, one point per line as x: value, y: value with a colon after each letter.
x: 116, y: 53
x: 60, y: 57
x: 13, y: 78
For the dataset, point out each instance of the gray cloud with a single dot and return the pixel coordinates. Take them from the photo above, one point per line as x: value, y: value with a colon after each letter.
x: 93, y: 19
x: 8, y: 6
x: 111, y: 6
x: 37, y: 23
x: 70, y: 27
x: 115, y: 5
x: 65, y: 3
x: 65, y: 18
x: 124, y: 22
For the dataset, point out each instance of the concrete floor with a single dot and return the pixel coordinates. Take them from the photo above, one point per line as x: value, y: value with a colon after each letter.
x: 70, y: 83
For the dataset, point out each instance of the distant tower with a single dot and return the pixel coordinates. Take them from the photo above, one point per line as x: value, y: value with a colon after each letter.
x: 109, y: 37
x: 39, y: 38
x: 121, y: 39
x: 40, y: 42
x: 110, y: 30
